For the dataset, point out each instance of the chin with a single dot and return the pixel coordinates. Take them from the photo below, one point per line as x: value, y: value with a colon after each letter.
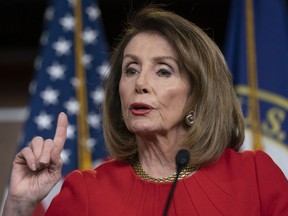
x: 142, y: 127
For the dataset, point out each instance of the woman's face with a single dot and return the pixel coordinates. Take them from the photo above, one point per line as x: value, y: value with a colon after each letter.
x: 152, y: 88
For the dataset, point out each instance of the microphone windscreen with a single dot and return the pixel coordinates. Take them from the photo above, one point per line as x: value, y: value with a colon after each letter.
x: 182, y: 158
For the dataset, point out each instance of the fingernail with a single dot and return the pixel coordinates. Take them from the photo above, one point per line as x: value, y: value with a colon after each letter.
x: 33, y: 166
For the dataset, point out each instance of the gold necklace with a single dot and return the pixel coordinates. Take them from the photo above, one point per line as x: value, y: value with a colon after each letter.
x: 186, y: 171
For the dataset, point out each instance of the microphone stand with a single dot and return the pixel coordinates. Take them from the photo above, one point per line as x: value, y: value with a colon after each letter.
x: 182, y: 159
x: 171, y: 194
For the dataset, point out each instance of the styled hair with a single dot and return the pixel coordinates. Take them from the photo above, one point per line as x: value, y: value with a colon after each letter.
x: 218, y: 120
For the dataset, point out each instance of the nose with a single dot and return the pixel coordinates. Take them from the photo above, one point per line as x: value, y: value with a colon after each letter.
x: 142, y: 83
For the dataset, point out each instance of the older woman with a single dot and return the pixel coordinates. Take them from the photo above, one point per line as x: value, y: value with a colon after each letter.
x: 169, y: 88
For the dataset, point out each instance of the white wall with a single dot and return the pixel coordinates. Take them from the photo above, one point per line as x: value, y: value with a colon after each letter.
x: 11, y: 121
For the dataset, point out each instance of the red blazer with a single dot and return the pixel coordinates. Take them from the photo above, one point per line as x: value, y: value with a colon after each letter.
x: 246, y: 183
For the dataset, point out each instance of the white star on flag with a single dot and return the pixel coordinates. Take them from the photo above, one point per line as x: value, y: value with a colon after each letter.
x: 50, y: 96
x: 86, y: 60
x: 62, y: 46
x: 71, y: 129
x: 97, y: 95
x: 90, y: 143
x: 49, y: 13
x: 89, y: 36
x: 103, y: 70
x: 72, y: 3
x: 38, y: 62
x: 75, y: 82
x: 72, y: 106
x: 56, y: 71
x: 44, y: 38
x: 93, y: 13
x: 43, y: 121
x: 68, y: 22
x: 94, y: 120
x: 65, y: 155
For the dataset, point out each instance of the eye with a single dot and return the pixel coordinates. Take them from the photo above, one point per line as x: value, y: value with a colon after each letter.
x: 130, y: 71
x: 164, y: 72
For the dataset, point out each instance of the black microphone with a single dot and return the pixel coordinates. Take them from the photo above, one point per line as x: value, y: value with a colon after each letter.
x: 182, y: 159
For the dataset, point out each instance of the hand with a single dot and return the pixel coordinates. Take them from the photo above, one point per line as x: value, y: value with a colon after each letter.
x: 36, y: 169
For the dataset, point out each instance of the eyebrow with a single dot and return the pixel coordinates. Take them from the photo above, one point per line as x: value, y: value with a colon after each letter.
x: 131, y: 56
x: 155, y: 59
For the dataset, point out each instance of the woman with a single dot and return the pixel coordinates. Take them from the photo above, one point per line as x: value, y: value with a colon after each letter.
x: 169, y: 88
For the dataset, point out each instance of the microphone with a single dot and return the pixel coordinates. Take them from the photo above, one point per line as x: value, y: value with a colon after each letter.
x: 182, y: 159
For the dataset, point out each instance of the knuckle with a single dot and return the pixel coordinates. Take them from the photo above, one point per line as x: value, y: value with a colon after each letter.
x: 37, y: 139
x: 49, y: 143
x: 26, y: 153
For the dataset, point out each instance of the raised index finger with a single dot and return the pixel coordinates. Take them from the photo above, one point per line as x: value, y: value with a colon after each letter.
x: 61, y: 130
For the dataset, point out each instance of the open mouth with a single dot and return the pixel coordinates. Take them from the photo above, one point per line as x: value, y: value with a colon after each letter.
x: 140, y: 106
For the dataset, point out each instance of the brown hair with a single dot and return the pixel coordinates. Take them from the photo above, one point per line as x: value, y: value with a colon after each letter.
x: 219, y: 122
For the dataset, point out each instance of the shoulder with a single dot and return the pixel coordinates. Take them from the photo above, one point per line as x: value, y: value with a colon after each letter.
x: 110, y: 165
x: 245, y: 168
x: 232, y: 165
x: 230, y: 157
x: 257, y: 160
x: 107, y: 170
x: 249, y: 176
x: 83, y: 189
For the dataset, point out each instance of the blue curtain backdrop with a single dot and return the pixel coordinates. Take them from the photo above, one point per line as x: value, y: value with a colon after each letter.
x: 257, y: 53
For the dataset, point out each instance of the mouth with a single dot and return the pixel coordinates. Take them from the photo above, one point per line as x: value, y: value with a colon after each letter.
x: 140, y: 108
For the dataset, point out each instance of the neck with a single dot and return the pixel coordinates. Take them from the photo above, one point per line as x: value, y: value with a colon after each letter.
x: 158, y: 159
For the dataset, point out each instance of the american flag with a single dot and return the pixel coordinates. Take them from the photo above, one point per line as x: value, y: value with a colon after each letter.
x: 69, y: 74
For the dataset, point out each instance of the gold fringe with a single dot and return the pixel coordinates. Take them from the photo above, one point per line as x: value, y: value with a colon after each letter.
x: 84, y: 153
x: 254, y: 111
